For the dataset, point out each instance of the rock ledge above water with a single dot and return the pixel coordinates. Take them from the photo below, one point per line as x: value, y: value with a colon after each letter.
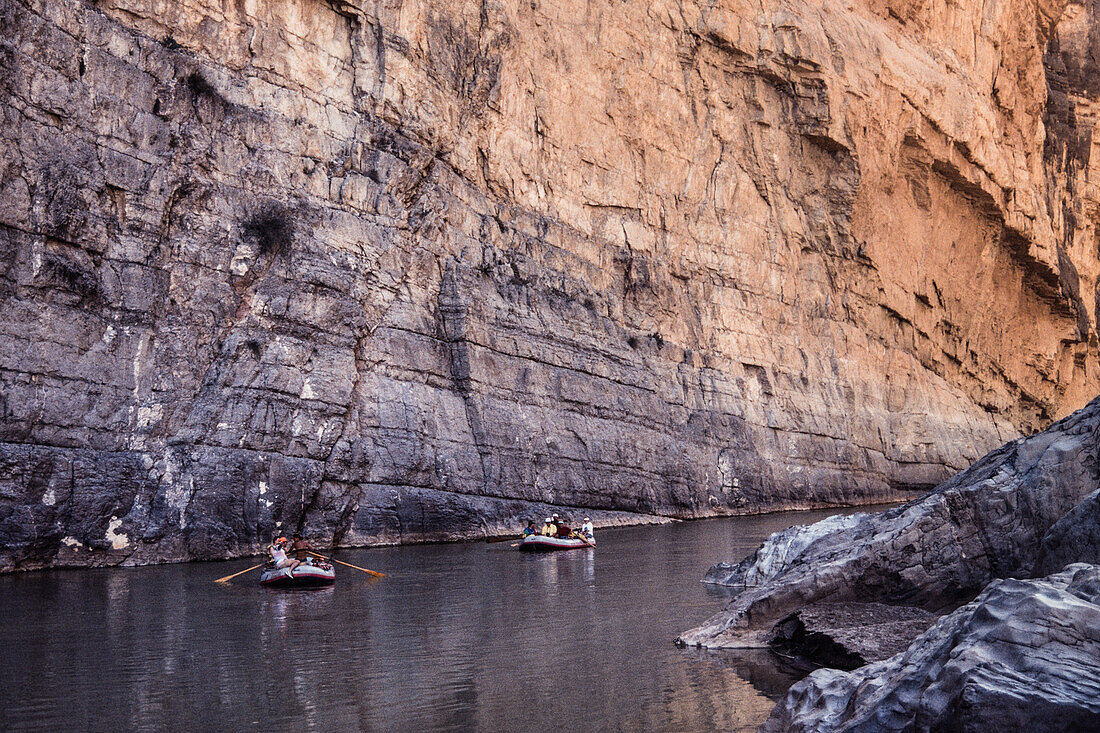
x: 849, y: 635
x: 1000, y: 518
x: 1023, y: 656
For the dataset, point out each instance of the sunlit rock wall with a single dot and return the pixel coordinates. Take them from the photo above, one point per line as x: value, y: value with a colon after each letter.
x: 404, y: 271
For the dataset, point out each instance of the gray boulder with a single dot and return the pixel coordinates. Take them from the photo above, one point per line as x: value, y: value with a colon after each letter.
x: 1073, y: 538
x: 990, y: 521
x: 1023, y: 656
x: 780, y: 552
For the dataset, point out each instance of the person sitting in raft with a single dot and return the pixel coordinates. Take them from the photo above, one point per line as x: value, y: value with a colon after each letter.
x: 300, y: 548
x: 530, y: 529
x: 588, y: 530
x: 548, y: 529
x: 563, y: 527
x: 278, y: 556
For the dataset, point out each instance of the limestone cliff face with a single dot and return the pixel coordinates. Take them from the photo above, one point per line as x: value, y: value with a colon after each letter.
x: 402, y: 271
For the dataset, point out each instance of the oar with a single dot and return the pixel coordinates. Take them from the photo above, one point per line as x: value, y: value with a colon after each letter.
x: 227, y: 578
x: 332, y: 559
x: 500, y: 539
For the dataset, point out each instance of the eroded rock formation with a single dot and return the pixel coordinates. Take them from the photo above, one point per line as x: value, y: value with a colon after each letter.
x: 848, y: 635
x: 1012, y: 514
x: 1024, y: 655
x: 396, y: 272
x: 1073, y: 538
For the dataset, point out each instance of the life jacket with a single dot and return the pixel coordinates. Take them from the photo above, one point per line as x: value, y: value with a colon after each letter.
x: 278, y: 554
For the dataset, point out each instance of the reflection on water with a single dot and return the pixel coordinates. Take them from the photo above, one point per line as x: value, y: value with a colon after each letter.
x: 459, y: 637
x: 768, y: 674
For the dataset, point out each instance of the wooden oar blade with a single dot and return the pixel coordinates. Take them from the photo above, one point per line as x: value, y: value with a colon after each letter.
x: 365, y: 570
x: 227, y: 578
x: 375, y: 573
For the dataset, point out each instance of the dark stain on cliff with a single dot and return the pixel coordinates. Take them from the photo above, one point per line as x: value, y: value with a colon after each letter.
x: 272, y: 228
x: 1072, y: 73
x: 72, y: 276
x: 468, y: 60
x: 199, y: 87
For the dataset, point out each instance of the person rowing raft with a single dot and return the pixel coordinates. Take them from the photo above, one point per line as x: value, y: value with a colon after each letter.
x: 301, y: 548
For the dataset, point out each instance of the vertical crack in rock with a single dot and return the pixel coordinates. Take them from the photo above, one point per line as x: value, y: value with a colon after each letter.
x: 453, y: 315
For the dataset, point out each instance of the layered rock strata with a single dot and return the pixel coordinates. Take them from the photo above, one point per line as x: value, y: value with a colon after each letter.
x: 390, y: 272
x: 1023, y: 656
x: 1020, y: 509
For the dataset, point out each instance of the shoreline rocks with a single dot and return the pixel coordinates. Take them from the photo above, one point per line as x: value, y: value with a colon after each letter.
x: 1023, y: 656
x: 848, y: 635
x: 426, y: 516
x: 1073, y: 538
x: 994, y: 520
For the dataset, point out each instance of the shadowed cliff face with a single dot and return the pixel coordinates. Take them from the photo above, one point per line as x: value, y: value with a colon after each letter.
x: 403, y: 273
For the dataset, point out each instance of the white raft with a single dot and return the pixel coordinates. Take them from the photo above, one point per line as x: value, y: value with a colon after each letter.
x: 539, y: 543
x: 304, y: 576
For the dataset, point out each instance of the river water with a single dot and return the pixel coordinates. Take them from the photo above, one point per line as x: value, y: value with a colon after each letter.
x: 469, y: 636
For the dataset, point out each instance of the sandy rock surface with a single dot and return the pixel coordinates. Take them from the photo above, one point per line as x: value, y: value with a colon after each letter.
x: 399, y: 272
x: 1023, y: 656
x: 848, y: 635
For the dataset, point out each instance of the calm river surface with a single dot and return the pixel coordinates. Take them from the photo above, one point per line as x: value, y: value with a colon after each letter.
x: 459, y: 637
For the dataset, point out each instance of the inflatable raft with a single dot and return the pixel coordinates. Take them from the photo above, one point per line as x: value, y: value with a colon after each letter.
x: 303, y: 576
x: 539, y: 543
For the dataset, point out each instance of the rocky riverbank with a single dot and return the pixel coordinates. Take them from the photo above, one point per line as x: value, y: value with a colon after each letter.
x: 1021, y: 656
x: 1018, y: 511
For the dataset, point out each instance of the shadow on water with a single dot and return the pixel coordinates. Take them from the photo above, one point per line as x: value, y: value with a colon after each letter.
x: 459, y: 637
x: 768, y: 673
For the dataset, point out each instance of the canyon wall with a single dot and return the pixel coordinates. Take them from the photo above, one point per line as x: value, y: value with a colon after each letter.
x: 392, y: 272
